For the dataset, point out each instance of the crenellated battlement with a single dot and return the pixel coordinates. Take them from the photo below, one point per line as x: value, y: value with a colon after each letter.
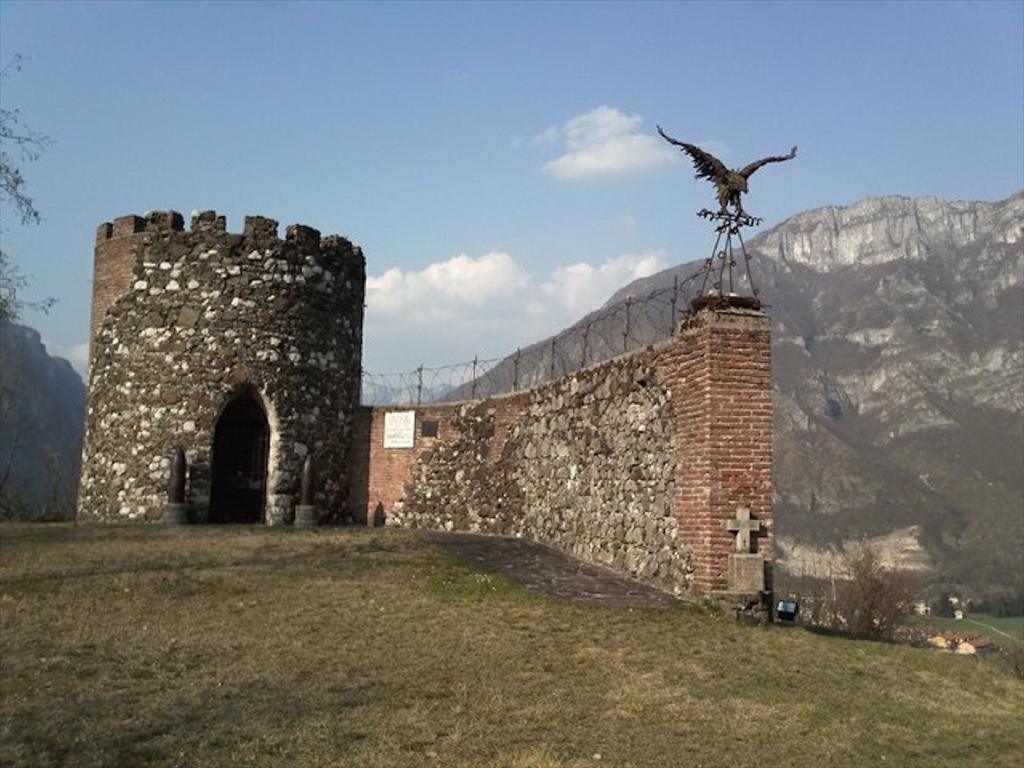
x: 126, y: 226
x: 255, y: 228
x: 125, y: 245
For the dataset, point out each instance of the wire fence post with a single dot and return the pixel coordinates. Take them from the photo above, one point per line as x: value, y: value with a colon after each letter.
x: 675, y: 301
x: 586, y: 335
x: 473, y: 385
x: 515, y: 372
x: 625, y: 331
x: 551, y: 373
x: 419, y: 385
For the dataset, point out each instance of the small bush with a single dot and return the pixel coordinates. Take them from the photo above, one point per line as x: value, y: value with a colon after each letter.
x: 875, y: 599
x: 1014, y: 654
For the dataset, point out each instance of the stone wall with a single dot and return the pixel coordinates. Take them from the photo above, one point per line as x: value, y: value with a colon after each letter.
x: 586, y: 464
x: 207, y: 314
x: 636, y: 463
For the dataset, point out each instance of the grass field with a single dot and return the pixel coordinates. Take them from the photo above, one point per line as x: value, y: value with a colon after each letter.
x: 1006, y: 631
x: 214, y: 646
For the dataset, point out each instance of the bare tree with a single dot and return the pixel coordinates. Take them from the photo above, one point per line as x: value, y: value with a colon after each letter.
x: 19, y: 144
x: 875, y: 599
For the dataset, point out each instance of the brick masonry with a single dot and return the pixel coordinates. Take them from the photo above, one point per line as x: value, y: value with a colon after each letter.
x: 720, y: 365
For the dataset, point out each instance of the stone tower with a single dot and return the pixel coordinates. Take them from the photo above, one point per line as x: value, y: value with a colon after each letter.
x: 244, y: 349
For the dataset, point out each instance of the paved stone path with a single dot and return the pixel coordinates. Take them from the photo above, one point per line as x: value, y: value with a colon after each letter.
x: 546, y: 570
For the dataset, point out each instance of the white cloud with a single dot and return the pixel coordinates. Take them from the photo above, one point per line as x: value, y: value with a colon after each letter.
x: 76, y: 354
x: 605, y: 142
x: 79, y: 357
x: 580, y: 288
x: 453, y: 309
x: 459, y: 286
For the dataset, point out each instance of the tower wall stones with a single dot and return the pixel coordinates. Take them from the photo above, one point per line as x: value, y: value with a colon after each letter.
x: 114, y: 264
x: 183, y: 321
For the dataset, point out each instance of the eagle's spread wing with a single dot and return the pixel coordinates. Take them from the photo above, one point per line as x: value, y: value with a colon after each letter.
x: 708, y: 166
x: 747, y: 170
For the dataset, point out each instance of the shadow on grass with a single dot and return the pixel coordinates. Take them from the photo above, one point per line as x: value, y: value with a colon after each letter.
x: 547, y: 570
x: 843, y: 634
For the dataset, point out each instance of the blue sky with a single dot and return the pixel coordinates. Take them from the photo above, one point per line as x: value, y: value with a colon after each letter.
x: 496, y: 162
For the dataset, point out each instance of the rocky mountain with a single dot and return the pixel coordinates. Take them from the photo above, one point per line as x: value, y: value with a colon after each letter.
x: 42, y: 412
x: 899, y: 367
x: 899, y: 380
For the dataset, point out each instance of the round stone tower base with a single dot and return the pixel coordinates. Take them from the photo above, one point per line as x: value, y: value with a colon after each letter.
x: 175, y: 513
x: 305, y: 516
x: 221, y: 345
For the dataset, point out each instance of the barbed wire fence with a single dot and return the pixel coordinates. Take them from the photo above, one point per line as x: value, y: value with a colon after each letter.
x: 614, y: 329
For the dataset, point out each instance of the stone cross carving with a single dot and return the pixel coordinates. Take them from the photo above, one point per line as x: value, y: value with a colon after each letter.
x: 743, y: 527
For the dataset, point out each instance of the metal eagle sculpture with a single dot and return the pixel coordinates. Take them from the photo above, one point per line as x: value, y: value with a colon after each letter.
x: 729, y: 184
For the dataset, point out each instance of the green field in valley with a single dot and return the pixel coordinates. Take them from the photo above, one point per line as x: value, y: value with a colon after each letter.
x: 217, y: 646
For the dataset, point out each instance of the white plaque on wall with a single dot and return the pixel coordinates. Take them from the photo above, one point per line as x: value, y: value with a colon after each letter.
x: 399, y: 429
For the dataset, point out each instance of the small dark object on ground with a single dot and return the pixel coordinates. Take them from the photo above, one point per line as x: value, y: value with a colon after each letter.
x: 308, y: 482
x: 305, y: 511
x: 176, y: 486
x: 176, y: 509
x: 786, y: 611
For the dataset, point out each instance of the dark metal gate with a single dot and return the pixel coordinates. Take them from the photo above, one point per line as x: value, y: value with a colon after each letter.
x: 241, y: 443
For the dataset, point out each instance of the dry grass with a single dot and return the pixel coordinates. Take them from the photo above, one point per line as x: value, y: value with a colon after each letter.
x: 350, y: 647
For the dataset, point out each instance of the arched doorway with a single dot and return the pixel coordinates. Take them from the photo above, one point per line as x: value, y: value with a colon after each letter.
x: 241, y: 443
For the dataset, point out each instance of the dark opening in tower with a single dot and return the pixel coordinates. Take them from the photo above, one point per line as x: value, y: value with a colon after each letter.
x: 241, y: 443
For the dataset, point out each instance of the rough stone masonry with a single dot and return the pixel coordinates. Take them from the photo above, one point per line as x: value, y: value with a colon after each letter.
x: 214, y: 341
x: 637, y: 463
x: 186, y: 322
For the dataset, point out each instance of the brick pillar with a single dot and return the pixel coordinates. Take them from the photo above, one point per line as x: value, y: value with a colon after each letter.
x: 719, y: 373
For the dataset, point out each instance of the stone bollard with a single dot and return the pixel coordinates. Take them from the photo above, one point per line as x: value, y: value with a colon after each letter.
x: 305, y: 511
x: 176, y: 509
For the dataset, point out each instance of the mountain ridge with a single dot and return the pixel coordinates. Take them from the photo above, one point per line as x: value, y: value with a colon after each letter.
x: 42, y: 412
x: 898, y: 345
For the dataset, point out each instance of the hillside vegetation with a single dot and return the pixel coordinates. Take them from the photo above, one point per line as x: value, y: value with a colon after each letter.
x: 221, y: 646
